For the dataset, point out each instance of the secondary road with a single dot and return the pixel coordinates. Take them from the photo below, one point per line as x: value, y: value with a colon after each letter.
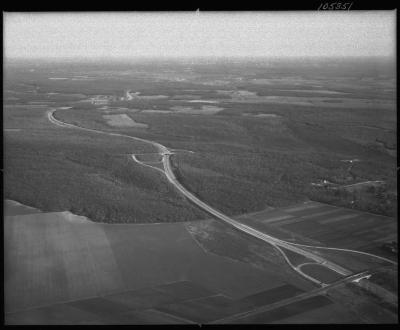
x: 291, y: 300
x: 249, y: 230
x: 278, y: 243
x: 360, y: 183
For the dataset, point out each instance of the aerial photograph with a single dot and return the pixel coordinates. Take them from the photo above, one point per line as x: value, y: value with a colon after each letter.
x: 200, y: 167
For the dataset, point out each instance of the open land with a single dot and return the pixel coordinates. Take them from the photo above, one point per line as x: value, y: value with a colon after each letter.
x: 69, y: 270
x: 274, y: 137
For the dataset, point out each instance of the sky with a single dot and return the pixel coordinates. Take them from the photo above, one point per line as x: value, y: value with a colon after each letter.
x: 204, y: 34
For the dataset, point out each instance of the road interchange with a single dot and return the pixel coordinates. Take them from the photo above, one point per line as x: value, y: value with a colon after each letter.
x: 277, y: 243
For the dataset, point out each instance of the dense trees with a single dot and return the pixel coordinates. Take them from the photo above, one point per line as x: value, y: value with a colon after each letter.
x: 241, y: 163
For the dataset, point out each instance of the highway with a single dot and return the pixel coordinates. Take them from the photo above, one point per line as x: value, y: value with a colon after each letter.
x: 277, y: 243
x: 249, y: 230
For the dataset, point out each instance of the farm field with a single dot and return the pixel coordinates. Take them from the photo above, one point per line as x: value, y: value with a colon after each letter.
x: 122, y: 120
x: 69, y: 270
x: 315, y: 310
x: 320, y: 224
x: 58, y: 265
x: 102, y: 236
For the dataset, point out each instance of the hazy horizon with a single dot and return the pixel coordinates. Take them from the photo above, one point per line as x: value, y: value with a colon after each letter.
x: 209, y: 35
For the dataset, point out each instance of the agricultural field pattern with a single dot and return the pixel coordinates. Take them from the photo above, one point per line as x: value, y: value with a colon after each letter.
x: 200, y: 191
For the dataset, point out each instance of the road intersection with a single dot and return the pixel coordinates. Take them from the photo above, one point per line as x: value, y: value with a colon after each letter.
x: 300, y: 249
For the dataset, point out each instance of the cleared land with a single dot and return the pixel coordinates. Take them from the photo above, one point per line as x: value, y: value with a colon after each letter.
x: 204, y: 110
x: 281, y: 313
x: 264, y: 145
x: 321, y: 273
x: 320, y: 224
x: 80, y: 271
x: 122, y: 120
x: 69, y: 270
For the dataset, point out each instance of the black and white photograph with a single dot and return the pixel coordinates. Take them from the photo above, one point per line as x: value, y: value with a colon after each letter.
x: 200, y: 167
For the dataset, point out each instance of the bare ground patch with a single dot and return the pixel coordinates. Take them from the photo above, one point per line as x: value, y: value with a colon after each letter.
x: 204, y: 110
x: 122, y: 120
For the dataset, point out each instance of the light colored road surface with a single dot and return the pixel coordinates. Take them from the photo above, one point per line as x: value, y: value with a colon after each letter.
x: 361, y: 183
x: 277, y: 243
x: 284, y: 302
x: 128, y: 95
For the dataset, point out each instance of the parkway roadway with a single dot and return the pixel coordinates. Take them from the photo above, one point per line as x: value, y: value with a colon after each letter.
x: 277, y: 243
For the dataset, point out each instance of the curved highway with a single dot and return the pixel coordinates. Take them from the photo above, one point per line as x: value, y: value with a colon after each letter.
x: 277, y: 243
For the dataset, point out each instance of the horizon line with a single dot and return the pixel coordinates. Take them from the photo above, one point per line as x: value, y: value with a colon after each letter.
x: 187, y: 57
